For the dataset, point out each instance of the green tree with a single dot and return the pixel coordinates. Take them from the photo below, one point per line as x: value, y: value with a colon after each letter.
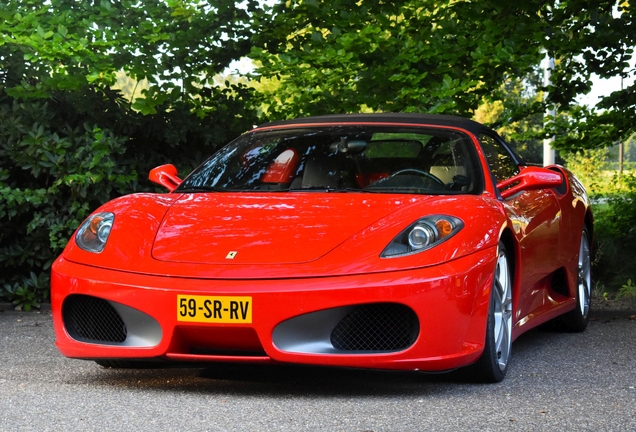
x: 449, y: 56
x: 590, y: 38
x: 418, y: 55
x: 69, y: 141
x: 524, y: 133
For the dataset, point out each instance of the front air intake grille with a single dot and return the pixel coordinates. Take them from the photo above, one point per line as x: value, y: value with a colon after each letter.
x: 91, y: 319
x: 376, y: 327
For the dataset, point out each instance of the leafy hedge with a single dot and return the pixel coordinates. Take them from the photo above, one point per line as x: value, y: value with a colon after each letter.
x: 58, y: 163
x: 615, y: 236
x: 53, y: 175
x: 69, y: 141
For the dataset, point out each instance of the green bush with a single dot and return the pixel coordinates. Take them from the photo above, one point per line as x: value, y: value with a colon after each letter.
x: 615, y: 233
x: 69, y: 141
x: 52, y: 175
x: 627, y: 291
x: 62, y: 157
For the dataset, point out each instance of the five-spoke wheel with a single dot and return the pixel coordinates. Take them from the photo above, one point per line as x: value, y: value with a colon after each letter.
x: 502, y: 305
x: 576, y: 320
x: 493, y: 364
x: 584, y: 275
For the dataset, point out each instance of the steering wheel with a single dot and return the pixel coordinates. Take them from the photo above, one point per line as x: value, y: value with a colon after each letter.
x: 420, y: 173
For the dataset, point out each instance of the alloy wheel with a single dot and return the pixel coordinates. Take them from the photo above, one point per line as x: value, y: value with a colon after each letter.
x: 584, y: 275
x: 502, y: 311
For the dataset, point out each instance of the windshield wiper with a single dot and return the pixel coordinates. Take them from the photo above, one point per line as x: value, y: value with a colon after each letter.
x: 402, y: 190
x: 202, y: 189
x: 331, y: 189
x: 194, y: 189
x: 314, y: 189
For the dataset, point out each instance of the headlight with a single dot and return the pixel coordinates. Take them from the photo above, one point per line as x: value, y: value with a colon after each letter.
x: 423, y: 234
x: 94, y: 232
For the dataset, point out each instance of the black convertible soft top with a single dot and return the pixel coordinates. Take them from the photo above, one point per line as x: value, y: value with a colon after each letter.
x: 412, y: 118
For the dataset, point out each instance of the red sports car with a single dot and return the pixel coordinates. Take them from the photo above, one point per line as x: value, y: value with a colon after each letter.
x: 388, y: 241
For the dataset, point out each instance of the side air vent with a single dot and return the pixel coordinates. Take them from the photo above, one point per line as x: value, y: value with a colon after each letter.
x: 361, y: 329
x: 376, y: 327
x: 91, y: 319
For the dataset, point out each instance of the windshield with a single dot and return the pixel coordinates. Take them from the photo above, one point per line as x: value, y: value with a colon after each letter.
x: 385, y: 159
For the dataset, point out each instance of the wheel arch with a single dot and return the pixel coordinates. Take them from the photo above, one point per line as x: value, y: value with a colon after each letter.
x: 509, y: 240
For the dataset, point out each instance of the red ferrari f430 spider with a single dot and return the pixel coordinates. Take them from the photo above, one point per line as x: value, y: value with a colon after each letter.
x: 387, y: 241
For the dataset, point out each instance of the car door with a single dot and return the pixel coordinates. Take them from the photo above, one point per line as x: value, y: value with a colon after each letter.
x: 536, y: 218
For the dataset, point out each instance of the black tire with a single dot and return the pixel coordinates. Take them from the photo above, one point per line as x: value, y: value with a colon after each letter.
x: 576, y: 320
x: 493, y: 363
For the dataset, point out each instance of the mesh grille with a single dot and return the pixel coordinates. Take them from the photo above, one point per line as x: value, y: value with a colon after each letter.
x: 376, y: 327
x: 92, y: 319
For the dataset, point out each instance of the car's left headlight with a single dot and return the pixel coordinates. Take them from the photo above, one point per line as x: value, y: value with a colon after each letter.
x: 93, y: 233
x: 423, y: 234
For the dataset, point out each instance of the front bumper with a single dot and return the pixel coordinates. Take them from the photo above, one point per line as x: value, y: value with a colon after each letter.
x: 450, y: 302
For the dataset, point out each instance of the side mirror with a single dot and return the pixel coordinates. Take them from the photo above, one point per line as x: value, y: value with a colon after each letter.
x: 166, y: 176
x: 530, y: 178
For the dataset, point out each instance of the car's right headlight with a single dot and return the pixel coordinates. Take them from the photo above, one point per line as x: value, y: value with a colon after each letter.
x: 93, y: 233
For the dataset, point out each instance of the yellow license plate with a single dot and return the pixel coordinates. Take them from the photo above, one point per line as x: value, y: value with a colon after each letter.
x: 214, y: 309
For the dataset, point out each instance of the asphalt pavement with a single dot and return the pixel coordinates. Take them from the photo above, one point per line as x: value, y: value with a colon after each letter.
x: 556, y: 381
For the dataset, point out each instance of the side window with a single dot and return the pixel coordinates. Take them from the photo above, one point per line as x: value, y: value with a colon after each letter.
x: 499, y: 159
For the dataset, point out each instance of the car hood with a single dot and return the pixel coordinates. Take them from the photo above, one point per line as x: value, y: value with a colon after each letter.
x: 288, y: 228
x: 280, y: 235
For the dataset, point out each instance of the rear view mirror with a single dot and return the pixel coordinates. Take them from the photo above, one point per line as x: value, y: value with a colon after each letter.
x: 166, y: 176
x: 530, y: 178
x: 346, y: 146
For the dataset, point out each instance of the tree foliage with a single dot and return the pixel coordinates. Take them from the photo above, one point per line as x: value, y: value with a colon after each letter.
x: 69, y: 141
x: 449, y: 56
x: 417, y: 55
x: 590, y: 38
x: 524, y: 133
